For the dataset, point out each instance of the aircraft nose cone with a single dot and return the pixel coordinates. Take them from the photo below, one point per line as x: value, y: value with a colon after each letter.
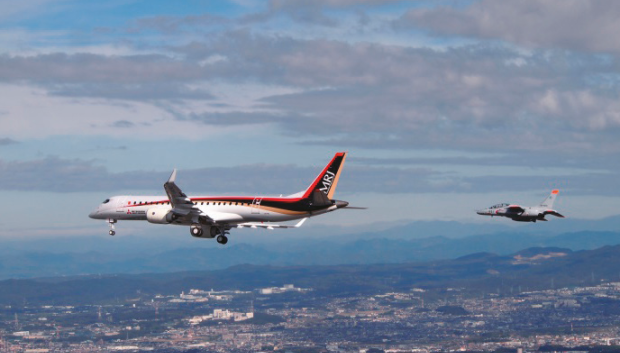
x: 93, y: 214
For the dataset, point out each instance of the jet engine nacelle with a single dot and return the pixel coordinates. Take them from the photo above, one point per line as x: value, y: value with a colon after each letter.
x: 205, y: 232
x: 208, y: 232
x: 159, y: 215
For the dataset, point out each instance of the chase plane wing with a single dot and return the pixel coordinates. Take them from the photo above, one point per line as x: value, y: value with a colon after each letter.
x: 515, y: 208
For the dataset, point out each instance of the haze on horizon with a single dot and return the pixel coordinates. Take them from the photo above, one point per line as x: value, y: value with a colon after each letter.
x: 444, y: 106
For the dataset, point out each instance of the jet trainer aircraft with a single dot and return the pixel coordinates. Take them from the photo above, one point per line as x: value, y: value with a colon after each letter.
x: 214, y: 216
x: 524, y: 214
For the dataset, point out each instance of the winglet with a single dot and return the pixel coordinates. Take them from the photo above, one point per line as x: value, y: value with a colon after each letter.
x: 555, y: 192
x: 173, y: 176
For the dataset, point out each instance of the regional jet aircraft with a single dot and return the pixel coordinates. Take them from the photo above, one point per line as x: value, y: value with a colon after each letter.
x: 524, y: 214
x: 214, y: 216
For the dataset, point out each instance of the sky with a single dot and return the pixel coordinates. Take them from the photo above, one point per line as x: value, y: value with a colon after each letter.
x: 444, y: 106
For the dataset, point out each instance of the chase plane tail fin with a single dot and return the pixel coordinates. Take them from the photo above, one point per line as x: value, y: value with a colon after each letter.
x: 548, y: 202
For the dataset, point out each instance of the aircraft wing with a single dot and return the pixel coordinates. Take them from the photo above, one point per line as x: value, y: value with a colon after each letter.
x: 181, y: 204
x: 268, y: 225
x: 515, y: 209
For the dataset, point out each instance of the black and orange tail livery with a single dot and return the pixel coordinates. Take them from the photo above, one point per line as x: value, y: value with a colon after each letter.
x: 327, y: 181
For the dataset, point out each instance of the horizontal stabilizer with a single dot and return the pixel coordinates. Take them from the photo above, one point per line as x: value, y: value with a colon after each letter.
x: 554, y: 213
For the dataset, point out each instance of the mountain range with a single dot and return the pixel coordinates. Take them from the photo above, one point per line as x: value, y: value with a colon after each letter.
x: 473, y: 275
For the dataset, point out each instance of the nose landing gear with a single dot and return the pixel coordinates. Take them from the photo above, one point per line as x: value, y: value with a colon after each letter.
x: 111, y: 224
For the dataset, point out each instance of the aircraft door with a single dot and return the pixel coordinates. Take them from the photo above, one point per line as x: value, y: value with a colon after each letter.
x: 256, y: 205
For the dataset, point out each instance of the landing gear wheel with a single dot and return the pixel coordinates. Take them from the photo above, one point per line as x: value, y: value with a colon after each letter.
x: 111, y: 224
x: 196, y: 231
x: 222, y: 239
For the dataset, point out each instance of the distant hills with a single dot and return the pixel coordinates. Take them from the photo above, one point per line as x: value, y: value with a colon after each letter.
x: 370, y: 251
x: 474, y: 275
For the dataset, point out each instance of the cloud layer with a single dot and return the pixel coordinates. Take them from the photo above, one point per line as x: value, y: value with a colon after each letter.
x: 54, y: 174
x: 581, y: 25
x: 535, y: 82
x: 475, y: 97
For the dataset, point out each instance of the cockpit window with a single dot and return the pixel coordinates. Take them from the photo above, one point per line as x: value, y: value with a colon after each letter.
x: 106, y: 201
x: 500, y: 205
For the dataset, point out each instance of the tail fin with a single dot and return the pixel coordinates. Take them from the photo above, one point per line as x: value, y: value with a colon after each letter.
x: 327, y: 181
x: 548, y: 202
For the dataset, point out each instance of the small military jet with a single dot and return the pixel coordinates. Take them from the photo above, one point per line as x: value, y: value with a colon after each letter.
x: 524, y: 214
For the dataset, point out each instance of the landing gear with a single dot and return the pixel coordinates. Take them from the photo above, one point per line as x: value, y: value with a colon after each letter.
x: 111, y: 224
x: 196, y: 231
x: 219, y: 233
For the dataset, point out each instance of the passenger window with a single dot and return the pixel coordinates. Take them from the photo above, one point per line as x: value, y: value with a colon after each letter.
x: 134, y: 202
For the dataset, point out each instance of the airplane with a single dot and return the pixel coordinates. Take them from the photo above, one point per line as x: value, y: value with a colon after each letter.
x: 215, y: 216
x: 524, y: 214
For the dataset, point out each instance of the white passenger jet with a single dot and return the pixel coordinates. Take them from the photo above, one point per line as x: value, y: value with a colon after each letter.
x: 214, y: 216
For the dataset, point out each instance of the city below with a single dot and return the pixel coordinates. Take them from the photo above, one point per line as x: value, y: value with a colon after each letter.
x: 495, y: 313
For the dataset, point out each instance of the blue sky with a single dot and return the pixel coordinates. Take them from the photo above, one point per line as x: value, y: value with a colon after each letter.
x: 444, y: 106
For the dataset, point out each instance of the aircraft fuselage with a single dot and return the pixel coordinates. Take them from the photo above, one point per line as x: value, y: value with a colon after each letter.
x: 231, y: 209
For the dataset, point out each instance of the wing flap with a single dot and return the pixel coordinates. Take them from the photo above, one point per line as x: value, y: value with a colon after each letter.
x: 268, y: 225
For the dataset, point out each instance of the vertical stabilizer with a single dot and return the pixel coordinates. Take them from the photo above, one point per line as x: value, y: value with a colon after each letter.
x: 327, y: 181
x: 548, y: 202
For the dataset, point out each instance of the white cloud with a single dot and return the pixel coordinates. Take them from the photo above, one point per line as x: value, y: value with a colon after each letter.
x: 583, y: 25
x: 32, y: 113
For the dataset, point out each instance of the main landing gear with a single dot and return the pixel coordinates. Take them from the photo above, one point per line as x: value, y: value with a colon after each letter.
x: 111, y: 224
x: 222, y: 239
x: 220, y: 234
